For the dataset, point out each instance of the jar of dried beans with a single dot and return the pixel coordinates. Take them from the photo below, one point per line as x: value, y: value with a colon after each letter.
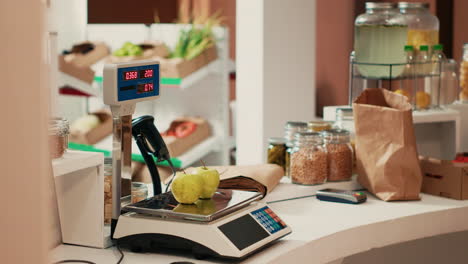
x: 308, y: 159
x: 340, y: 154
x: 290, y: 129
x: 58, y: 137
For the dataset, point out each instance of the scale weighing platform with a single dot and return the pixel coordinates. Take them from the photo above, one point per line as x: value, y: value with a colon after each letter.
x: 233, y: 224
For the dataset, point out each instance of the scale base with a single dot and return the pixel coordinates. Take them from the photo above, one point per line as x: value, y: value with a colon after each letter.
x: 156, y: 242
x: 234, y: 236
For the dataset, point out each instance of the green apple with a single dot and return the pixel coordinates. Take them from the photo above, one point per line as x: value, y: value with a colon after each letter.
x: 206, y: 207
x: 135, y: 51
x: 186, y: 188
x: 120, y: 53
x: 127, y: 45
x: 186, y: 209
x: 210, y: 178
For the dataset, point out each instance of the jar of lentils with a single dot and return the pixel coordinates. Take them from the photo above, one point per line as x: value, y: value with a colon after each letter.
x: 290, y: 129
x: 308, y: 159
x: 340, y: 154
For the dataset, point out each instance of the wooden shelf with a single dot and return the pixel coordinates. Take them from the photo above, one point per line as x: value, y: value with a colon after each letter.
x: 188, y: 158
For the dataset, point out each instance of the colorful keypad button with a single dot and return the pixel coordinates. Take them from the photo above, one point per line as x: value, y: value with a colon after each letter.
x: 266, y: 217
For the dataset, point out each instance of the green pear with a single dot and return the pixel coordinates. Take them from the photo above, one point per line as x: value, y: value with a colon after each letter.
x: 210, y: 178
x: 186, y: 188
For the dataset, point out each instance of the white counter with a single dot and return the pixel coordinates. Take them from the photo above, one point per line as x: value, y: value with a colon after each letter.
x: 323, y: 231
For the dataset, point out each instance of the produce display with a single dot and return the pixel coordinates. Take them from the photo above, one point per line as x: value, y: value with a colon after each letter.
x: 197, y: 39
x: 85, y: 123
x: 128, y: 49
x: 180, y: 129
x: 189, y: 188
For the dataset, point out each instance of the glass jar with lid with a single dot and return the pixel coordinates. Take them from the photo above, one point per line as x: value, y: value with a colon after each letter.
x: 59, y: 129
x: 290, y: 129
x: 317, y: 126
x: 107, y: 190
x: 277, y: 151
x: 379, y: 37
x: 449, y: 83
x: 308, y: 159
x: 464, y: 75
x: 423, y: 27
x: 340, y: 154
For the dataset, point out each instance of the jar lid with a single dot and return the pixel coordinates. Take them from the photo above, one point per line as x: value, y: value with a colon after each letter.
x: 376, y: 5
x: 415, y: 5
x: 424, y: 48
x: 277, y: 140
x: 335, y: 132
x: 438, y: 47
x: 318, y: 126
x: 409, y: 48
x: 344, y: 113
x: 58, y: 126
x: 294, y: 124
x: 309, y: 136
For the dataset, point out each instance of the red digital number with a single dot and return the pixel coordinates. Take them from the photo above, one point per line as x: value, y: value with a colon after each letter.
x: 148, y: 87
x: 131, y: 75
x: 148, y: 73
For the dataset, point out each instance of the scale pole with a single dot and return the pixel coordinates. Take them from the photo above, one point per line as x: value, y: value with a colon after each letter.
x: 116, y: 167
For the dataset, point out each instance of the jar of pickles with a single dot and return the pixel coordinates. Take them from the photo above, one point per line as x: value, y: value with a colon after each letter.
x: 308, y: 159
x: 340, y: 154
x: 277, y: 151
x: 290, y: 129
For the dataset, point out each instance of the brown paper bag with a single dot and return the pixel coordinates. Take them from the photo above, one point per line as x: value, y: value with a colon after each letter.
x: 387, y: 158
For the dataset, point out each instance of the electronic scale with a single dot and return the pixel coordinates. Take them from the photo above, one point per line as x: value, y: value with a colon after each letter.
x: 233, y: 224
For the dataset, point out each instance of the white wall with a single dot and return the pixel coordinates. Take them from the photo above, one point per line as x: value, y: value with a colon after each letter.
x: 24, y: 159
x: 275, y: 64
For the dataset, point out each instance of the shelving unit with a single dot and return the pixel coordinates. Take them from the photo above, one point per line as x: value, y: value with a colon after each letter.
x: 438, y: 131
x: 67, y: 80
x: 190, y: 157
x: 208, y: 84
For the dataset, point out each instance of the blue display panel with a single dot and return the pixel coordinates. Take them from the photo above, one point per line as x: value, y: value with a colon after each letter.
x: 269, y: 219
x: 137, y: 82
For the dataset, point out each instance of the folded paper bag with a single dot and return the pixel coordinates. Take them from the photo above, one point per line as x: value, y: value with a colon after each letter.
x: 387, y: 158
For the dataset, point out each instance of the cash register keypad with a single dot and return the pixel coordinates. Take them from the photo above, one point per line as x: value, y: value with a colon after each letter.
x: 268, y: 219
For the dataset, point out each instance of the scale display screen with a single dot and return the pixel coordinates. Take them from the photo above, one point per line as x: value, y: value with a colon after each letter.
x: 134, y: 75
x: 138, y: 82
x: 244, y: 231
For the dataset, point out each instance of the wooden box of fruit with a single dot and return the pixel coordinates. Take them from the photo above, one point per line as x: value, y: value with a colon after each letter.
x: 77, y: 61
x: 180, y: 68
x: 185, y: 133
x: 91, y: 128
x: 146, y: 50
